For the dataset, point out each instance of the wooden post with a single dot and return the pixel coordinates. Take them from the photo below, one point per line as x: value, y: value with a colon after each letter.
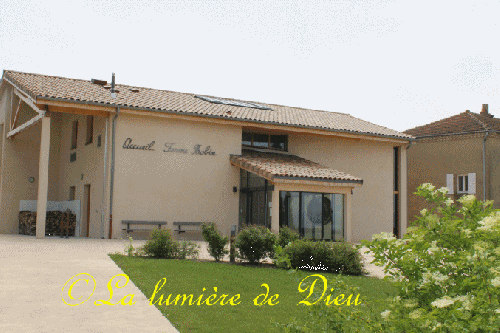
x: 43, y: 177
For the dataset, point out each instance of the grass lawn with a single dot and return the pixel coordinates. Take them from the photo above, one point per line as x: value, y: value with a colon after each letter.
x: 190, y: 277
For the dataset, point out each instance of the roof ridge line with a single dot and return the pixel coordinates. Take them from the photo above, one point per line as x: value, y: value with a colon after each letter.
x: 473, y: 116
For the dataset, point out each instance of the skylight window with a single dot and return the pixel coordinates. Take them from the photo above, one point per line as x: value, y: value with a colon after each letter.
x: 234, y: 103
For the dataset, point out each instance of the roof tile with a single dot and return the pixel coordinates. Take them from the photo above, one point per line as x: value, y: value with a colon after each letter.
x: 37, y: 85
x: 284, y: 165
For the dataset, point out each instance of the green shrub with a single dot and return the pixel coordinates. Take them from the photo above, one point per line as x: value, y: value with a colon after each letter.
x: 216, y: 242
x: 187, y: 250
x: 161, y: 245
x: 346, y: 259
x: 286, y: 236
x: 300, y: 253
x: 324, y: 256
x: 255, y: 243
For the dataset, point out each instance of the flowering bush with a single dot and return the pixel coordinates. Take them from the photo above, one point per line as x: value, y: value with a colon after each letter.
x: 446, y: 268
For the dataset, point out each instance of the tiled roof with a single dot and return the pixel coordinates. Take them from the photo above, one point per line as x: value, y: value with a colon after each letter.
x: 275, y: 165
x: 465, y: 122
x: 81, y: 91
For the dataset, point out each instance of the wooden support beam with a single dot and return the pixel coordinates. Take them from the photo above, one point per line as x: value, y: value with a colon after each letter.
x: 27, y: 101
x: 74, y: 110
x: 19, y: 90
x: 79, y: 106
x: 13, y: 123
x: 26, y: 125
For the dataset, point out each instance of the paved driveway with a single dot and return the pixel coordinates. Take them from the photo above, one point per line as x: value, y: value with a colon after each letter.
x: 34, y: 271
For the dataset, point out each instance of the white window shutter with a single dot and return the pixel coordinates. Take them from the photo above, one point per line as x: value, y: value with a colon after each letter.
x: 472, y: 183
x: 449, y: 183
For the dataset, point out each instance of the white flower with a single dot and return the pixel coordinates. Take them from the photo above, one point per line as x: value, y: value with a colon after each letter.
x: 495, y: 282
x: 467, y: 200
x: 428, y: 186
x: 488, y: 203
x: 497, y: 311
x: 466, y: 302
x: 423, y: 212
x: 443, y: 190
x: 384, y: 235
x: 488, y: 223
x: 434, y: 247
x: 438, y: 325
x: 449, y: 202
x: 386, y: 314
x: 411, y: 303
x: 415, y: 314
x: 443, y: 302
x: 467, y: 232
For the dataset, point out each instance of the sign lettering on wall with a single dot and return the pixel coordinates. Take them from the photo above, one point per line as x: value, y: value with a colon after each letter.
x: 129, y: 145
x: 170, y: 147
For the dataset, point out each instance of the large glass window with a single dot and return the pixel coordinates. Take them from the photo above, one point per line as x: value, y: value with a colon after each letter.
x: 255, y: 198
x: 278, y: 142
x: 314, y: 215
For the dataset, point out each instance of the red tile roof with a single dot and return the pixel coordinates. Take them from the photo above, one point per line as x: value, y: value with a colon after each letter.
x: 465, y: 122
x: 277, y: 165
x: 81, y: 91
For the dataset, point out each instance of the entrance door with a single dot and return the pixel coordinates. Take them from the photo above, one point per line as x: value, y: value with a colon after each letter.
x: 86, y: 205
x: 255, y: 198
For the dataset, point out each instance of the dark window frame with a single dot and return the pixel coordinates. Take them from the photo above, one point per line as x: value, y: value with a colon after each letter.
x: 72, y: 193
x: 90, y: 130
x: 301, y: 213
x: 269, y: 140
x: 74, y: 135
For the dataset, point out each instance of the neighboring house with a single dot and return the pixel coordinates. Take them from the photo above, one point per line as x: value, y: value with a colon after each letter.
x: 460, y: 152
x: 129, y: 153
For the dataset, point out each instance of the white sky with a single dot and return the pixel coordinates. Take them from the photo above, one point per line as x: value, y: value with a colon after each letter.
x: 399, y: 64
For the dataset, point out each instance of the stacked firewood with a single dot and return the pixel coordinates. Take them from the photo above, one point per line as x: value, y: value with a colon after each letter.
x: 27, y: 223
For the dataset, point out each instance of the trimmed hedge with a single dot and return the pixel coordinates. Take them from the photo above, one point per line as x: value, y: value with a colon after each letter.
x: 338, y: 257
x: 255, y: 243
x: 286, y: 236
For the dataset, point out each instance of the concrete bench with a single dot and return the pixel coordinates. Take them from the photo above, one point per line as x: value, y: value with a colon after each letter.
x: 180, y: 224
x: 128, y: 223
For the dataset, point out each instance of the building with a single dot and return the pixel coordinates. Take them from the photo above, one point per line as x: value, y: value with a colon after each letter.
x: 132, y: 153
x: 459, y: 152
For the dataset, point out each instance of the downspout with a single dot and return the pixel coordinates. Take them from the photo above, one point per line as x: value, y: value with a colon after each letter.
x: 484, y: 165
x: 112, y: 180
x: 103, y: 204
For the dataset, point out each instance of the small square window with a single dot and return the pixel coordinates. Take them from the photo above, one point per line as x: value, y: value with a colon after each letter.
x: 463, y: 183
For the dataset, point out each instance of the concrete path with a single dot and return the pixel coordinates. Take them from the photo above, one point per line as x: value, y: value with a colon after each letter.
x: 34, y: 271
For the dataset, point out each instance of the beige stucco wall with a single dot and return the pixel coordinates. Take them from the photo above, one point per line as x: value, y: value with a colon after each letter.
x: 171, y: 186
x: 20, y: 161
x: 430, y: 160
x: 372, y: 203
x: 89, y: 163
x: 20, y: 157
